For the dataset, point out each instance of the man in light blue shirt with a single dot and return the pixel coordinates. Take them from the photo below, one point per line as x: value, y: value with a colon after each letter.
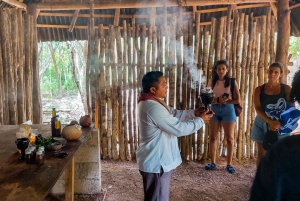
x: 158, y: 152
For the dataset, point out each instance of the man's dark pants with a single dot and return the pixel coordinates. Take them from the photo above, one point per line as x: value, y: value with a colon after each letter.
x: 156, y: 185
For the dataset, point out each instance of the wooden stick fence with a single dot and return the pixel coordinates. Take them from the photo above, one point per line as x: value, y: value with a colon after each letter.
x: 119, y: 57
x: 19, y: 89
x: 178, y: 49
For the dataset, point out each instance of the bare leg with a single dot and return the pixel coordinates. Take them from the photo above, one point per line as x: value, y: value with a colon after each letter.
x: 213, y: 137
x: 229, y: 136
x: 261, y: 152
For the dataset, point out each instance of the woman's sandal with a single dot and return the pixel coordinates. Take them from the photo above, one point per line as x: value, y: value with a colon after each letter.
x: 210, y: 166
x: 230, y: 169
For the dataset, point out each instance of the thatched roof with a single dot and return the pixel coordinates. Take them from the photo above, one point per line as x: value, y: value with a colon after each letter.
x: 68, y: 19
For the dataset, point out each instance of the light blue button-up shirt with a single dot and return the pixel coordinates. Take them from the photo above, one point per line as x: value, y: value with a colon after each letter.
x: 158, y: 145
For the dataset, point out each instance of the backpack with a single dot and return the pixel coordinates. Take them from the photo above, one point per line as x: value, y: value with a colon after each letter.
x: 237, y: 107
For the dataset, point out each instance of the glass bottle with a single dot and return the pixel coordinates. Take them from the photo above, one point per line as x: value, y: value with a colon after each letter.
x: 53, y: 118
x: 57, y: 127
x: 39, y: 157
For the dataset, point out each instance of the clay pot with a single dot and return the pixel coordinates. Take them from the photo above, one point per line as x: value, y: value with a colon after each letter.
x: 71, y: 132
x: 85, y: 121
x: 73, y: 122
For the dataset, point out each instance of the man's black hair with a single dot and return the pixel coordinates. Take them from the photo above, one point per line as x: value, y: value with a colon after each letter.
x: 295, y: 92
x: 150, y: 80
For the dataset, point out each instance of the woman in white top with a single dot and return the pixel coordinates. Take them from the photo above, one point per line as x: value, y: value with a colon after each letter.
x: 223, y: 107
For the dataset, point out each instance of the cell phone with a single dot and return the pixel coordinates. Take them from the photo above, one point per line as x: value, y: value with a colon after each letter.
x: 225, y: 95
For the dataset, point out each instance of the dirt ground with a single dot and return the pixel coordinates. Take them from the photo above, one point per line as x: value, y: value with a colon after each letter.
x: 121, y: 181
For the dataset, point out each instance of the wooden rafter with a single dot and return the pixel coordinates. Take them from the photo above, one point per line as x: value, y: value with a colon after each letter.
x: 152, y: 17
x: 74, y: 19
x: 16, y: 4
x: 146, y: 16
x: 37, y: 13
x: 117, y: 17
x: 274, y: 9
x: 295, y: 6
x: 100, y: 4
x: 194, y: 12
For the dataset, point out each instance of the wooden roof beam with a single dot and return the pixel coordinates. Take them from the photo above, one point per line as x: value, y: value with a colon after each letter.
x: 152, y: 17
x: 102, y: 4
x: 194, y: 12
x: 295, y: 6
x: 16, y: 4
x: 74, y: 19
x: 274, y: 9
x: 146, y: 16
x: 61, y: 26
x: 117, y: 17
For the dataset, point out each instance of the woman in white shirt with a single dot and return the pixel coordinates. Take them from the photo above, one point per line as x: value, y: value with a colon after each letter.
x: 223, y: 107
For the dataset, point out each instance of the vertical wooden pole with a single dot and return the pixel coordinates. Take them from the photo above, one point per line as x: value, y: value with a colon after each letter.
x: 130, y: 94
x: 211, y: 48
x: 108, y: 70
x: 102, y: 89
x: 171, y: 63
x: 120, y: 93
x: 261, y: 64
x: 69, y: 179
x: 283, y: 34
x: 115, y: 122
x: 13, y: 67
x: 2, y: 78
x: 20, y: 72
x: 228, y: 35
x: 272, y: 40
x: 241, y: 136
x: 36, y: 92
x: 247, y: 83
x: 239, y: 47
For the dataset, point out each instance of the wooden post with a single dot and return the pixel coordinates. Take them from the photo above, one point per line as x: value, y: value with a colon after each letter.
x: 69, y: 185
x: 36, y: 92
x: 108, y: 69
x: 102, y: 87
x: 241, y: 136
x: 261, y: 64
x: 233, y: 43
x: 219, y: 36
x: 239, y: 48
x: 171, y: 63
x: 247, y: 82
x: 283, y: 34
x: 228, y: 35
x: 211, y: 48
x: 272, y: 40
x: 2, y: 94
x: 120, y: 95
x: 179, y: 63
x: 115, y: 122
x: 205, y: 55
x: 131, y: 93
x: 267, y: 43
x: 20, y: 72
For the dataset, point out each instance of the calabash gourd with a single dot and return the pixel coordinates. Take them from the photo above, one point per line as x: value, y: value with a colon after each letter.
x: 85, y: 121
x: 71, y: 132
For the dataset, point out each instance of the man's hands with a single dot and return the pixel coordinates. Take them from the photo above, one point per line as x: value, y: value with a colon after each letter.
x: 274, y: 125
x: 200, y: 112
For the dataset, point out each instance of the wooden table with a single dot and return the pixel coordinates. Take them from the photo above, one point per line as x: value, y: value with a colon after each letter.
x: 20, y: 181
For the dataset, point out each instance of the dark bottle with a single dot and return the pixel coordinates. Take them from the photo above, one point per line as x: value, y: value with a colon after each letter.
x: 57, y: 127
x: 53, y: 118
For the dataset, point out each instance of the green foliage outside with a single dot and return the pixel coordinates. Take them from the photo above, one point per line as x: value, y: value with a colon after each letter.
x: 59, y: 69
x: 294, y: 48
